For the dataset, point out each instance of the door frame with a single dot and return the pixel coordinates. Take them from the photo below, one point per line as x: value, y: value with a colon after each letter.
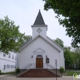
x: 39, y: 57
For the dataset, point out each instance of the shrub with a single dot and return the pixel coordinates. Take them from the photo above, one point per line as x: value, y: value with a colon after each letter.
x: 0, y: 71
x: 17, y: 70
x: 61, y: 69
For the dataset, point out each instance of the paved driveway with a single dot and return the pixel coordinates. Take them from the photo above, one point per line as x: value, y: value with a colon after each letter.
x: 11, y: 77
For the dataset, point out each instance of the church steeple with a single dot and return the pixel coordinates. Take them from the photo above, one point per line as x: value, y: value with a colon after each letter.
x: 39, y: 27
x: 39, y: 19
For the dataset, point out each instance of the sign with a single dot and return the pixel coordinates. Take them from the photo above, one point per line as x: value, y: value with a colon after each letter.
x: 47, y: 60
x: 56, y: 62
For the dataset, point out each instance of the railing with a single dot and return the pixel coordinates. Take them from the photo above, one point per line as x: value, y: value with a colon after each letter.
x: 33, y: 66
x: 53, y: 69
x: 50, y: 66
x: 26, y: 66
x: 24, y: 69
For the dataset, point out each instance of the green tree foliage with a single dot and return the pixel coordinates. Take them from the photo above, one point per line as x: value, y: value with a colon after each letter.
x: 68, y: 14
x: 77, y: 50
x: 62, y: 70
x: 17, y: 70
x: 10, y: 37
x: 60, y: 42
x: 72, y: 57
x: 68, y: 58
x: 0, y: 71
x: 67, y: 54
x: 77, y: 57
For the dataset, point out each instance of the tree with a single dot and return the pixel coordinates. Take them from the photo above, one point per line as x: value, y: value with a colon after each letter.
x: 67, y: 53
x: 68, y: 58
x: 77, y: 57
x: 68, y: 14
x: 10, y: 37
x: 59, y: 41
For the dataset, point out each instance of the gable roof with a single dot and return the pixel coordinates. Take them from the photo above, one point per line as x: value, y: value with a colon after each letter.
x: 26, y: 44
x: 55, y: 43
x: 39, y: 19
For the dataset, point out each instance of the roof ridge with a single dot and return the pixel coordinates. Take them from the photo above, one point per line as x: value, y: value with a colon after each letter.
x: 35, y: 39
x: 55, y: 43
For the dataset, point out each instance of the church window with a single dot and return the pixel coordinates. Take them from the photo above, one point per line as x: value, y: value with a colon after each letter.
x: 4, y: 67
x: 4, y: 54
x: 8, y: 66
x: 13, y: 57
x: 9, y: 55
x: 11, y: 66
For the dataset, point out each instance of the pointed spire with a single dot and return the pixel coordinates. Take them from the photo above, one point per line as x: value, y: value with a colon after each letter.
x: 39, y: 19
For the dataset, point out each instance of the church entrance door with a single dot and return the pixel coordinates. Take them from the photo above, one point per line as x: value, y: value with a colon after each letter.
x: 39, y: 61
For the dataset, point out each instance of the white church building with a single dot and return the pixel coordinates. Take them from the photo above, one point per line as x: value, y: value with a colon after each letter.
x: 40, y: 52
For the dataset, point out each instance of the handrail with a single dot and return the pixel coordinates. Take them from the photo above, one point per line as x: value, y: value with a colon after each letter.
x: 50, y: 66
x: 25, y: 67
x: 28, y: 65
x: 31, y: 66
x: 53, y: 70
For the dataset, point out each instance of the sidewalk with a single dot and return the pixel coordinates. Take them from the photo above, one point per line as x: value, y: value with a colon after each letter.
x: 11, y: 77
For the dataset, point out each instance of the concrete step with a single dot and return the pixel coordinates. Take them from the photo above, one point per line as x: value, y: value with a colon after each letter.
x: 38, y: 73
x: 56, y: 72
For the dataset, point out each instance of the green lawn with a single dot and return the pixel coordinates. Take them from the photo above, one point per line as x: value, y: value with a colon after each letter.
x: 12, y: 73
x: 71, y: 72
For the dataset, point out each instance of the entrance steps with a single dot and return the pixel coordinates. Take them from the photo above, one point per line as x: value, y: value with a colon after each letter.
x: 39, y: 73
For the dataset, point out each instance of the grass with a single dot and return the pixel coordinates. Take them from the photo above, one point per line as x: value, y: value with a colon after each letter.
x: 12, y: 73
x: 71, y: 72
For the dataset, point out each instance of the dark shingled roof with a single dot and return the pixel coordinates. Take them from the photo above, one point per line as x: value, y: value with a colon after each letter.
x: 39, y: 19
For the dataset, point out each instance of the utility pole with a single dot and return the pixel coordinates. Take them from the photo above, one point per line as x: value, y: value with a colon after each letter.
x: 56, y: 68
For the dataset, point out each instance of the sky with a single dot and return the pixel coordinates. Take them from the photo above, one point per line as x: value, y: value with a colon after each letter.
x: 24, y: 12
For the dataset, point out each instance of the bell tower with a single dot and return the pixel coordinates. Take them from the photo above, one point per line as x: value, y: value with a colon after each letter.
x: 39, y: 27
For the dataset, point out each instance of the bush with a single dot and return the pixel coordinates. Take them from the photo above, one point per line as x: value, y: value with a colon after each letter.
x: 0, y: 71
x: 17, y: 70
x: 61, y: 69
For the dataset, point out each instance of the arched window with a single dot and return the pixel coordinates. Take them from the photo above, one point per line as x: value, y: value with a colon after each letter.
x: 9, y: 55
x: 13, y: 57
x: 4, y: 54
x: 39, y: 56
